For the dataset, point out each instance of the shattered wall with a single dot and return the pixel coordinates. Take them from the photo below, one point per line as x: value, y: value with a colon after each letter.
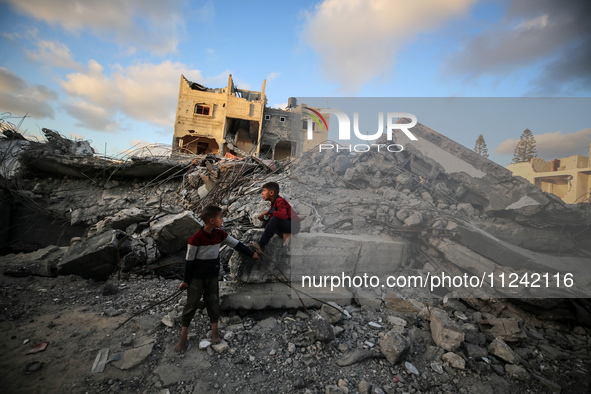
x: 209, y: 119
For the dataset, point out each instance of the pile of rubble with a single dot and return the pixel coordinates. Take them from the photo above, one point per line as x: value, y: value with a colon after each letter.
x: 436, y: 207
x: 400, y: 344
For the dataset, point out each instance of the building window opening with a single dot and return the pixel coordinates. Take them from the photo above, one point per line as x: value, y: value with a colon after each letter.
x: 305, y: 124
x: 267, y: 117
x: 282, y: 119
x: 202, y: 110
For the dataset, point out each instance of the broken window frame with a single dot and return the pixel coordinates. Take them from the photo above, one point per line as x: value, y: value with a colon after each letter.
x: 202, y: 107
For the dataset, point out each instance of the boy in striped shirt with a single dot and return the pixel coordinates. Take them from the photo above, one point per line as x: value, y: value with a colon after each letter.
x: 202, y: 266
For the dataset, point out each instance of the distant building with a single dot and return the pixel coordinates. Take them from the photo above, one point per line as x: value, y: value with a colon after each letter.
x: 569, y: 178
x: 237, y: 122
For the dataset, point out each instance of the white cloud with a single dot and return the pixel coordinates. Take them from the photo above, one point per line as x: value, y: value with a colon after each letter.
x: 272, y: 76
x: 91, y: 116
x: 151, y: 25
x: 19, y: 97
x: 145, y: 92
x: 358, y: 40
x: 554, y: 145
x: 53, y: 53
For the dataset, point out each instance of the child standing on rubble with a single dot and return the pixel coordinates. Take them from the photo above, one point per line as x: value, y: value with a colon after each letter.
x: 202, y: 266
x: 280, y: 219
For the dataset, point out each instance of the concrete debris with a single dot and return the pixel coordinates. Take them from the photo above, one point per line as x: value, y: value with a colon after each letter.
x: 100, y: 361
x: 133, y: 357
x: 446, y: 333
x: 454, y: 360
x: 394, y: 346
x: 499, y: 348
x: 435, y: 208
x: 321, y: 328
x: 171, y: 232
x: 95, y: 257
x: 507, y: 329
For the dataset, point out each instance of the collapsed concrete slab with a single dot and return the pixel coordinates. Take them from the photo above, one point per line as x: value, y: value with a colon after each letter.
x: 513, y: 270
x: 172, y: 232
x: 94, y: 257
x: 474, y: 179
x: 315, y: 255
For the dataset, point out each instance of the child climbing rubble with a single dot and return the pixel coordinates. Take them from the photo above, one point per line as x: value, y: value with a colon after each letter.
x: 202, y: 266
x: 280, y: 219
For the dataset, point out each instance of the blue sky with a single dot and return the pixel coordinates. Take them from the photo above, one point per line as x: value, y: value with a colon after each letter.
x: 109, y: 71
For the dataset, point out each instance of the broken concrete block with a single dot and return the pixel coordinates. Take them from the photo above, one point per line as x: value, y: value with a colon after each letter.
x: 332, y: 312
x: 94, y: 257
x: 499, y: 348
x: 321, y: 328
x: 454, y: 360
x: 122, y: 219
x: 445, y: 332
x: 394, y: 346
x: 131, y: 358
x: 152, y: 252
x: 220, y: 347
x: 517, y: 371
x: 133, y: 252
x: 474, y: 351
x: 462, y: 256
x: 508, y: 329
x: 172, y: 232
x: 552, y: 352
x: 414, y: 220
x: 368, y: 298
x: 395, y: 302
x: 341, y: 164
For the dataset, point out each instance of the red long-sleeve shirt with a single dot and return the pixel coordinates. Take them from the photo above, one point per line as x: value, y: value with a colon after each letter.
x: 281, y: 209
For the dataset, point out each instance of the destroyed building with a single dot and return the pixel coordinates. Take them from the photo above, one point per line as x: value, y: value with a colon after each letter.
x: 436, y: 207
x: 238, y: 122
x: 568, y: 178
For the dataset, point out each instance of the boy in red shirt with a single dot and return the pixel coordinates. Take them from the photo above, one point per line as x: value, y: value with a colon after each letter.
x: 279, y: 219
x: 202, y: 266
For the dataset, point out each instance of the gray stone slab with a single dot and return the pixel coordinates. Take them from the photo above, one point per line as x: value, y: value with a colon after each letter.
x: 172, y: 232
x: 321, y: 254
x: 234, y: 295
x: 94, y: 257
x: 133, y: 357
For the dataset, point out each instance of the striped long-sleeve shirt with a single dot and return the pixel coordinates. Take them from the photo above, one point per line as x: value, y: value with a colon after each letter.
x: 203, y: 253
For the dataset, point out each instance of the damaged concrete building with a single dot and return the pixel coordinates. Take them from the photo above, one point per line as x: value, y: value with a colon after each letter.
x: 568, y: 178
x: 237, y: 122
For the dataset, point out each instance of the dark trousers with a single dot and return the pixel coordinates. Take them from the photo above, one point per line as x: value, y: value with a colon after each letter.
x: 277, y: 226
x: 209, y: 289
